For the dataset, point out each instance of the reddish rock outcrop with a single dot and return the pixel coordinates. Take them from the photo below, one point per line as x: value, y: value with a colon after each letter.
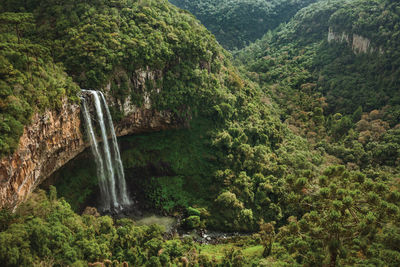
x: 51, y: 140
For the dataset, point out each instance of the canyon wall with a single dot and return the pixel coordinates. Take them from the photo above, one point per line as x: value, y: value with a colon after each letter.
x: 358, y: 43
x: 55, y: 137
x: 51, y: 140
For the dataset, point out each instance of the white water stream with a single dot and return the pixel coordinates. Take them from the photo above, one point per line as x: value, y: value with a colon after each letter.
x: 110, y: 171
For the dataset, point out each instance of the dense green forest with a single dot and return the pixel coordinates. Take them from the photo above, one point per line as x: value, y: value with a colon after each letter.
x: 345, y: 102
x: 30, y: 79
x: 296, y: 143
x: 348, y: 99
x: 237, y: 23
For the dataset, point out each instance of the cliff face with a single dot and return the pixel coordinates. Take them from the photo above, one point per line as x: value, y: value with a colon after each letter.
x: 55, y: 137
x: 142, y: 119
x: 358, y: 43
x: 51, y: 140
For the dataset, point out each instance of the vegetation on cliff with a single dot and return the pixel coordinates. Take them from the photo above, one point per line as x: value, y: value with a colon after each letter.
x: 103, y: 44
x: 30, y: 81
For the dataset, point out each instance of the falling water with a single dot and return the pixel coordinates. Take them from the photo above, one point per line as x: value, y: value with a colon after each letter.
x: 123, y: 194
x: 109, y: 164
x: 97, y: 156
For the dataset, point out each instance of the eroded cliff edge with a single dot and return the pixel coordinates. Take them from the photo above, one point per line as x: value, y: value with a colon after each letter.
x: 55, y: 137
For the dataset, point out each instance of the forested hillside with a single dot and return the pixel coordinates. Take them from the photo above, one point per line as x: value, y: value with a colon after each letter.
x: 237, y: 23
x: 333, y: 71
x: 350, y: 83
x: 296, y: 145
x: 101, y: 44
x: 30, y: 80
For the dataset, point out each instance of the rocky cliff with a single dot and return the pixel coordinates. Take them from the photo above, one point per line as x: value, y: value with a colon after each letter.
x: 55, y: 137
x: 51, y: 140
x: 358, y: 43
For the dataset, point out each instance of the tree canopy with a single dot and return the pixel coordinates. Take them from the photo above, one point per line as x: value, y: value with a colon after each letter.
x: 237, y: 23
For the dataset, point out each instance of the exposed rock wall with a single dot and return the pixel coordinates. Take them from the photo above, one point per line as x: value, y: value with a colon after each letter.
x: 333, y: 36
x: 358, y: 43
x: 55, y: 137
x: 51, y: 140
x: 361, y: 44
x: 138, y: 82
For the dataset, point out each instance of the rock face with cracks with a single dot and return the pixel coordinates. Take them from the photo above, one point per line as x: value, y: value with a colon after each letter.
x: 358, y: 43
x: 55, y: 137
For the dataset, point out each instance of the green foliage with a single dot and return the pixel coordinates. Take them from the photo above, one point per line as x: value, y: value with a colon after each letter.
x: 192, y: 222
x: 346, y: 77
x: 45, y: 229
x: 238, y: 23
x: 30, y: 81
x: 196, y: 218
x: 232, y: 145
x: 101, y: 43
x: 343, y: 100
x: 348, y: 211
x: 19, y: 22
x: 193, y: 212
x: 77, y: 181
x: 231, y: 168
x: 168, y: 193
x: 176, y: 162
x: 331, y: 92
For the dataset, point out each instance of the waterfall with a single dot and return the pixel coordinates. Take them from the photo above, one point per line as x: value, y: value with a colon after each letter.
x: 97, y: 156
x: 110, y: 171
x: 117, y: 158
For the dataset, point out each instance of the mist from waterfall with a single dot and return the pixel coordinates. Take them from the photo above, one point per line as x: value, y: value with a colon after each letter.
x: 110, y: 171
